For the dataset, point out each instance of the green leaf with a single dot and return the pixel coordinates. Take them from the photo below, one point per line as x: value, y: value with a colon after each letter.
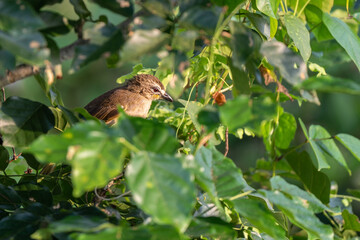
x: 218, y: 175
x: 193, y: 108
x: 285, y: 132
x: 268, y: 7
x: 31, y: 160
x: 330, y: 84
x: 34, y: 193
x: 261, y: 24
x: 143, y: 42
x: 291, y: 66
x: 51, y: 148
x: 209, y: 116
x: 316, y: 182
x: 240, y: 79
x: 303, y: 127
x: 300, y: 215
x: 328, y: 145
x: 125, y: 7
x: 81, y: 222
x: 314, y: 20
x: 30, y: 47
x: 9, y: 199
x: 299, y: 34
x: 277, y: 183
x: 148, y: 135
x: 344, y: 36
x: 18, y: 15
x: 158, y: 232
x: 7, y: 61
x: 238, y: 109
x: 351, y: 143
x: 4, y: 158
x: 229, y: 180
x: 104, y: 39
x: 211, y: 228
x: 54, y: 23
x: 80, y: 8
x: 260, y: 216
x: 158, y: 183
x: 93, y: 150
x: 95, y: 155
x: 22, y: 121
x: 324, y: 5
x: 351, y: 221
x: 200, y: 18
x: 244, y: 43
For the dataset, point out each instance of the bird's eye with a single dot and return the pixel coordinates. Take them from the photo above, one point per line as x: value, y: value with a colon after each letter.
x: 155, y: 90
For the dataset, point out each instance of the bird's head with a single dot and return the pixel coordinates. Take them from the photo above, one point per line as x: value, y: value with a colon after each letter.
x: 149, y: 86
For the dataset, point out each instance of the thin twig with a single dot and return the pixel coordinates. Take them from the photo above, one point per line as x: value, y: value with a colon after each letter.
x: 226, y: 141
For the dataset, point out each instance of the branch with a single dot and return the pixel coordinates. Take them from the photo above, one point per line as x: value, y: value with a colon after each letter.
x: 25, y: 70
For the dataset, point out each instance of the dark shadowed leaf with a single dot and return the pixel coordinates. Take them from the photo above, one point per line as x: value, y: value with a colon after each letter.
x: 104, y: 40
x: 124, y: 7
x: 4, y: 158
x: 158, y: 183
x: 22, y: 121
x: 314, y: 20
x: 316, y: 182
x: 268, y: 7
x: 200, y: 18
x: 31, y: 160
x: 291, y: 65
x: 260, y: 23
x: 9, y: 199
x: 80, y: 8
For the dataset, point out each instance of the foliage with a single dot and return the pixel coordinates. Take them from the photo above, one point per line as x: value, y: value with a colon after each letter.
x: 231, y: 65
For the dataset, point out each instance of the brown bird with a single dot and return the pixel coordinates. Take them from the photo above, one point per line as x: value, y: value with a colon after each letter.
x: 134, y: 96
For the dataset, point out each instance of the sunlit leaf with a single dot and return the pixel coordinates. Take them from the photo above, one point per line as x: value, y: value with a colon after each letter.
x: 158, y: 183
x: 299, y: 34
x: 344, y: 36
x: 351, y: 143
x: 260, y: 216
x: 320, y: 141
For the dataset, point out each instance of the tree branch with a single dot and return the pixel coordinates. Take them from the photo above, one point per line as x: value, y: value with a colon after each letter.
x: 25, y: 70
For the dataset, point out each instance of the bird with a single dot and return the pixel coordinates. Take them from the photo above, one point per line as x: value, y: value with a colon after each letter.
x: 134, y: 96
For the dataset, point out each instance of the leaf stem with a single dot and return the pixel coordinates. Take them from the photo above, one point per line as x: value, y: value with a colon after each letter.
x: 345, y: 196
x: 127, y: 144
x: 241, y: 195
x: 296, y: 7
x: 303, y: 8
x: 218, y: 30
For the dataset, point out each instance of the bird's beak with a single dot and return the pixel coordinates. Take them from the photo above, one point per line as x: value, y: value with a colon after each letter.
x: 166, y: 97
